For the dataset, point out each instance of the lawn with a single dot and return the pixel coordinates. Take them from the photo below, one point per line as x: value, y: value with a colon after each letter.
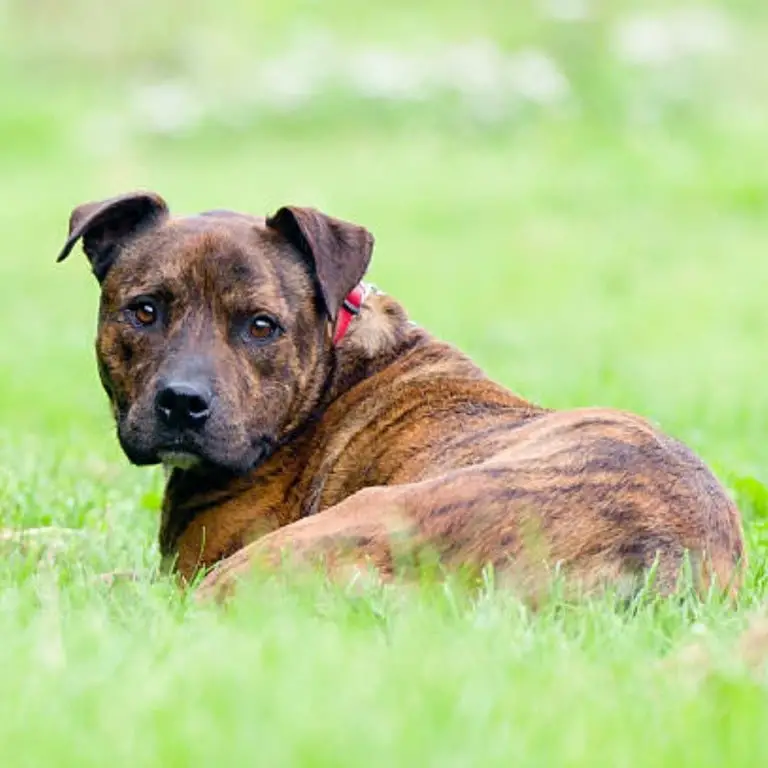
x: 573, y: 192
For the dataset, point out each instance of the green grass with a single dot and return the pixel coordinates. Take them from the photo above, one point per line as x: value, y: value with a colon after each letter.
x: 610, y: 253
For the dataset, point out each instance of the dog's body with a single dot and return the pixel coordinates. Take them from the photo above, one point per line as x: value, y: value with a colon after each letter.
x: 355, y: 448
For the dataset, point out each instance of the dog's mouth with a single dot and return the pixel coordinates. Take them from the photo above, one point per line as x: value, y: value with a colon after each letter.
x: 180, y: 452
x: 186, y: 455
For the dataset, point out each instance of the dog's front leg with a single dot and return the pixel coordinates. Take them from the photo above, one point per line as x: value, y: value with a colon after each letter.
x: 354, y: 535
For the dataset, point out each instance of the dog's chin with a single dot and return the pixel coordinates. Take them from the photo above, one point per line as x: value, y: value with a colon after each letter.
x: 176, y: 459
x: 179, y: 456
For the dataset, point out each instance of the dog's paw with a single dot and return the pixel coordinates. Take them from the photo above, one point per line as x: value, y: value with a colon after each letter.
x: 217, y: 586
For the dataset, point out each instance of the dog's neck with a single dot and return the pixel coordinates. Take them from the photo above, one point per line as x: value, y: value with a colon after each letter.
x: 377, y: 337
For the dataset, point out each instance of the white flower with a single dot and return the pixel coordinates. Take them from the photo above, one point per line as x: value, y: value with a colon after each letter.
x: 659, y: 39
x: 536, y: 77
x: 475, y: 69
x: 301, y: 73
x: 567, y: 10
x: 166, y: 108
x: 387, y: 74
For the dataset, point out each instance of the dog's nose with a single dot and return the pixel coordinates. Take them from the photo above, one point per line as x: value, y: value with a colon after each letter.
x: 183, y: 406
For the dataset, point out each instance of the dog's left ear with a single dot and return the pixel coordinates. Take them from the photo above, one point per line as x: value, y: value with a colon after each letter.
x: 338, y: 251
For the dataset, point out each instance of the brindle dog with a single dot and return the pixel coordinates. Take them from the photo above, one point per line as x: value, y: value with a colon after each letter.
x: 293, y: 423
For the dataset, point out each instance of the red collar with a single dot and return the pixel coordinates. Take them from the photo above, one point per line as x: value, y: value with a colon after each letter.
x: 349, y: 309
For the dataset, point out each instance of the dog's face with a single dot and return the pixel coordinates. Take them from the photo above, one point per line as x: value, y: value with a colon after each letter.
x: 213, y: 341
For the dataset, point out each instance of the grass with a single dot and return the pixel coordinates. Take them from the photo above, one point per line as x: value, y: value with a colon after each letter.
x: 591, y: 256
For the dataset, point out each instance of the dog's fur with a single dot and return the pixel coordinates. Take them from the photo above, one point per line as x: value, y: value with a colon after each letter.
x: 389, y: 443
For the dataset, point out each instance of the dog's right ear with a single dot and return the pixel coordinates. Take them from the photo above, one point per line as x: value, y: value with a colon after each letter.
x: 106, y: 226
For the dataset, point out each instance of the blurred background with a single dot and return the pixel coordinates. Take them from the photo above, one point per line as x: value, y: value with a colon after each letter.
x: 574, y: 191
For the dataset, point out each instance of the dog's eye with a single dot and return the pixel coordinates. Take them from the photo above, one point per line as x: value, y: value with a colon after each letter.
x: 143, y: 313
x: 263, y: 328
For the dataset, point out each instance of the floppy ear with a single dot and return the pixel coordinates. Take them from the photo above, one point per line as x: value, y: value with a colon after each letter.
x: 339, y: 252
x: 107, y: 225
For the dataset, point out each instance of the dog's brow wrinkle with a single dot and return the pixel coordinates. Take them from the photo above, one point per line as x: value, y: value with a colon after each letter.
x: 242, y: 271
x: 132, y: 288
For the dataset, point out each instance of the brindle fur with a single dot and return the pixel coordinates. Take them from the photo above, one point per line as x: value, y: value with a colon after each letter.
x: 389, y: 443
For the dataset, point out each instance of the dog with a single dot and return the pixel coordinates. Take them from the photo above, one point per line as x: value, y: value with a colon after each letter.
x: 302, y: 417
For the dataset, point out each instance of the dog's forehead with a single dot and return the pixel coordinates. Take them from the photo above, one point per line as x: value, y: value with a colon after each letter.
x: 215, y: 238
x: 216, y: 248
x: 211, y: 231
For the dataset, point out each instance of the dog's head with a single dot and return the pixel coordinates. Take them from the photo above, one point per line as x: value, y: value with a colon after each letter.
x: 213, y: 341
